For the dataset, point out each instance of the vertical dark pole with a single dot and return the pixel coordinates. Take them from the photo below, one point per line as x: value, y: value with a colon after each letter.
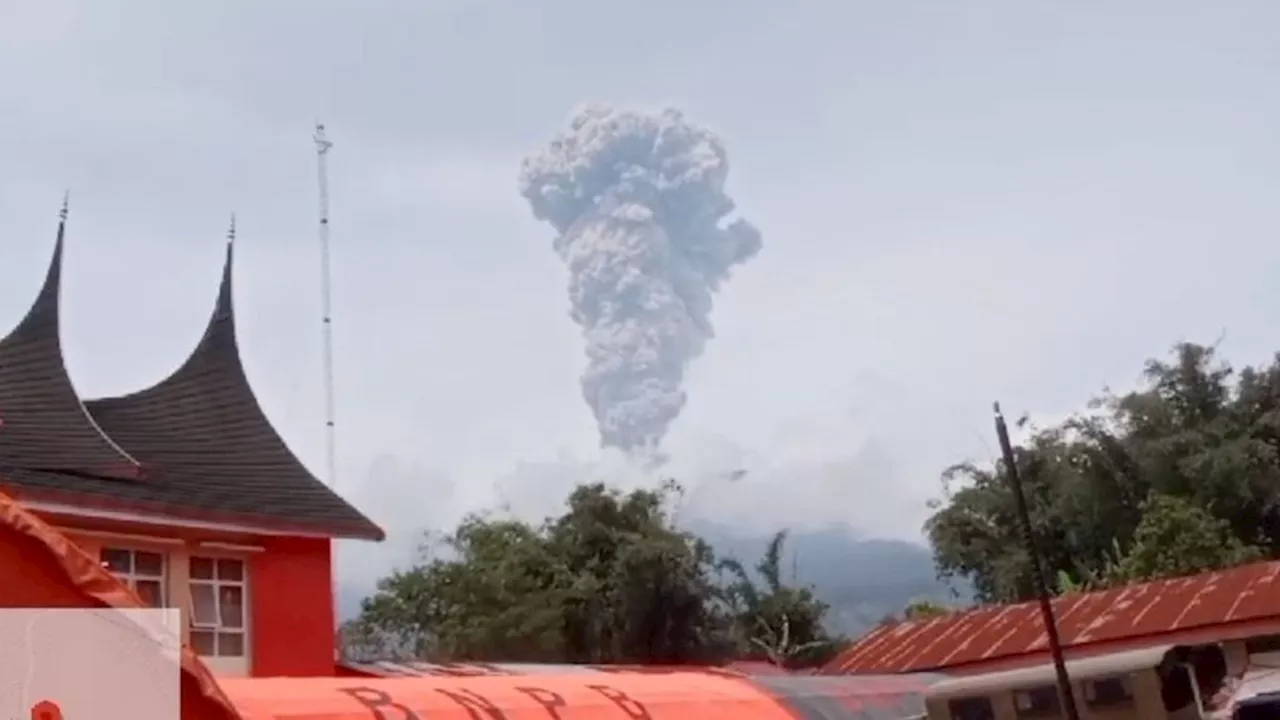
x: 1042, y: 588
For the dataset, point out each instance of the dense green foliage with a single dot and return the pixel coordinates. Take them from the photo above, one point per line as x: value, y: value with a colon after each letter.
x: 1178, y: 476
x: 611, y: 580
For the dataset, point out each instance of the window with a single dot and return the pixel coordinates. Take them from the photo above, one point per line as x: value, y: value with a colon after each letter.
x: 1036, y: 702
x: 1108, y: 692
x: 971, y: 708
x: 1262, y: 644
x: 141, y: 570
x: 218, y: 607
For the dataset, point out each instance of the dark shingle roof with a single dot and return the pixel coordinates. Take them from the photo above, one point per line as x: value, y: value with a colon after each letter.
x: 205, y: 435
x: 45, y: 425
x: 207, y: 448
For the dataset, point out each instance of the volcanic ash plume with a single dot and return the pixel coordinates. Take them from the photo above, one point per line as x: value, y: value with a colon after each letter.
x: 638, y: 201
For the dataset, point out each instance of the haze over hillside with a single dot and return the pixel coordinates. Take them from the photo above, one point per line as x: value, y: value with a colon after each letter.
x: 862, y: 579
x: 861, y: 573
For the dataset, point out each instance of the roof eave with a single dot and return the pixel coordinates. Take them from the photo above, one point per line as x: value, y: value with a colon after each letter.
x: 77, y: 504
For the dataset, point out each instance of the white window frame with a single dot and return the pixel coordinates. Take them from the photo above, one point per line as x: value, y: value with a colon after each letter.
x: 1025, y: 703
x: 228, y: 664
x: 1091, y: 692
x: 132, y: 577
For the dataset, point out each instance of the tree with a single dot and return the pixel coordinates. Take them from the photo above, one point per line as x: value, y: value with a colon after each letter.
x: 637, y: 589
x: 918, y: 609
x: 770, y: 618
x: 1177, y: 537
x: 611, y: 580
x: 1180, y: 475
x: 494, y: 592
x: 923, y: 609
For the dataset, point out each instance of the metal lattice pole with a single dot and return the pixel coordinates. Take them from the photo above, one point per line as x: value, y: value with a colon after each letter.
x: 326, y: 306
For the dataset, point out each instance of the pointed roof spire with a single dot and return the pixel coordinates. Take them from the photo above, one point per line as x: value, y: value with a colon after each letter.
x: 66, y: 206
x: 212, y: 445
x: 222, y: 326
x: 46, y: 424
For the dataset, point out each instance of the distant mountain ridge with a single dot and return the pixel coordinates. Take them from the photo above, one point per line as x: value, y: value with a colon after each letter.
x: 861, y: 579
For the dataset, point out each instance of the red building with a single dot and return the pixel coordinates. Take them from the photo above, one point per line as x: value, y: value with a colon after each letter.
x: 184, y: 490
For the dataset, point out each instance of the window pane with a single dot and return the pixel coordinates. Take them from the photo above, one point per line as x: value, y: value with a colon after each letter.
x: 231, y: 606
x: 118, y: 561
x: 971, y: 708
x: 1263, y: 644
x: 204, y: 605
x: 231, y: 570
x: 201, y: 568
x: 202, y: 642
x: 1108, y: 692
x: 1036, y: 702
x: 148, y: 564
x: 230, y: 644
x: 151, y: 592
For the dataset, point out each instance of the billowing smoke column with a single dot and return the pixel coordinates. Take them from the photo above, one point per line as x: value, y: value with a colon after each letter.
x: 639, y: 203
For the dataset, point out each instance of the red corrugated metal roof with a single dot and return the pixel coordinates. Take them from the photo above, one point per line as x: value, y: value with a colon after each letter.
x: 1250, y: 592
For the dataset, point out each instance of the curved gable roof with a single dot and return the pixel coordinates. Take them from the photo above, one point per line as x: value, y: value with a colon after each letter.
x: 45, y: 424
x: 207, y: 439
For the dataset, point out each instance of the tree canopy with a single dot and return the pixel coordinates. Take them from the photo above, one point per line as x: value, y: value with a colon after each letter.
x: 1178, y: 476
x: 611, y: 580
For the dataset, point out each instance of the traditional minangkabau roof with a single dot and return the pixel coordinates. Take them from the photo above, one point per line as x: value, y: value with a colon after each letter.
x: 46, y: 426
x: 208, y: 450
x: 1160, y: 611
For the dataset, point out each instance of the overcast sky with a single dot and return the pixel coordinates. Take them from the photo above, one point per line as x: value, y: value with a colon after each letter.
x: 960, y: 202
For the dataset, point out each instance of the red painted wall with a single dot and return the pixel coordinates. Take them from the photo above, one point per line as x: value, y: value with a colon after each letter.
x: 293, y: 625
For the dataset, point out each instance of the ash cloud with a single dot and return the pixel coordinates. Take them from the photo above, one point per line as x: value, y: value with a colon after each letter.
x: 638, y: 201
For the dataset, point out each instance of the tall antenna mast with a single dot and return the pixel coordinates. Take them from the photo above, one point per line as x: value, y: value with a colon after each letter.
x: 326, y: 304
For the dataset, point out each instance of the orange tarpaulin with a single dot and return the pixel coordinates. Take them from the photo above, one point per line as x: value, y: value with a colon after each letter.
x: 41, y: 568
x: 674, y: 696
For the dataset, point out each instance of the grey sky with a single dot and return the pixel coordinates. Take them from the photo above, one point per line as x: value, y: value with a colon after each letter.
x: 1096, y: 177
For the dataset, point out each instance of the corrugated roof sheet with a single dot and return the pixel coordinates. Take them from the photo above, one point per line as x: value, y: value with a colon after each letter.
x: 413, y: 668
x: 759, y: 667
x: 864, y: 697
x: 1250, y: 592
